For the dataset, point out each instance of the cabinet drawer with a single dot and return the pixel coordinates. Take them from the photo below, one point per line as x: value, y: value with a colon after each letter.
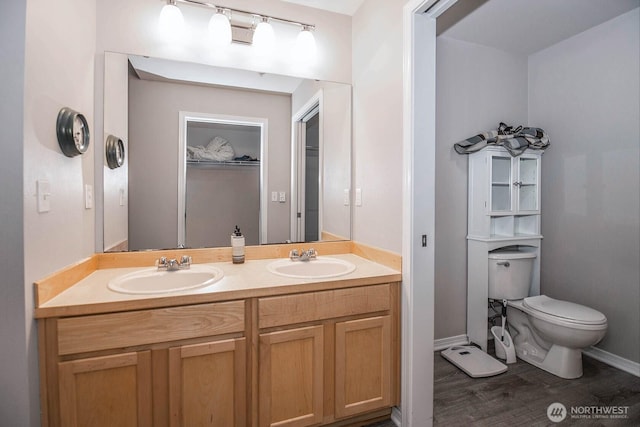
x: 117, y: 330
x: 290, y: 309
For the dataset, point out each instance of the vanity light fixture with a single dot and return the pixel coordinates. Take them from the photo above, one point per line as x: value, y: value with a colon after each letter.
x: 264, y: 38
x: 223, y: 29
x: 305, y: 48
x: 220, y: 28
x: 171, y: 22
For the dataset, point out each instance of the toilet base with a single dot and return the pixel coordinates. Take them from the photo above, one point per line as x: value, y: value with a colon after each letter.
x: 560, y: 361
x: 532, y: 347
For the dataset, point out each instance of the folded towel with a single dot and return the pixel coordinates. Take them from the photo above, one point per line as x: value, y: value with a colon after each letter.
x: 219, y: 149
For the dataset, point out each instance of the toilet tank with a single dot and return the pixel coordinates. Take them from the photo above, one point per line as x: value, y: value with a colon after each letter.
x: 510, y: 274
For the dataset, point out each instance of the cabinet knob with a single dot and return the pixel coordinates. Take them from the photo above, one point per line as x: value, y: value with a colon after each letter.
x: 517, y: 183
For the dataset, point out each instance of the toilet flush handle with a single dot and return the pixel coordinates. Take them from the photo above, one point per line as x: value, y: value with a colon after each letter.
x: 505, y: 263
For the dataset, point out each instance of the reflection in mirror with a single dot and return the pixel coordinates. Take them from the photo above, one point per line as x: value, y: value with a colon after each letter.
x: 180, y: 122
x: 223, y: 159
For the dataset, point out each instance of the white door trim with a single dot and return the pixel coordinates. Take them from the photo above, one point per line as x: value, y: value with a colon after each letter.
x: 419, y: 108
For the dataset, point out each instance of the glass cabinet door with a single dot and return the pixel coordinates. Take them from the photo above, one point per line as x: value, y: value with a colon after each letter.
x: 527, y: 184
x: 500, y: 192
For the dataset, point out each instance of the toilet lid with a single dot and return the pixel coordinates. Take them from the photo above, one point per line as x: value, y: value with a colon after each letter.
x: 565, y: 310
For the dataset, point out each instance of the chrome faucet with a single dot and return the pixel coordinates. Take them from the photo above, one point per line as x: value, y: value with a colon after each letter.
x: 173, y: 264
x: 296, y: 255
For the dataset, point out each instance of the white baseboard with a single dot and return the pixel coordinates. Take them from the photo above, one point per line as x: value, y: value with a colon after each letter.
x: 396, y: 416
x: 613, y: 360
x: 442, y: 343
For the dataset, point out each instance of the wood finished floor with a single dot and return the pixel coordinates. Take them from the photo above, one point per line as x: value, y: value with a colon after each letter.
x: 520, y: 396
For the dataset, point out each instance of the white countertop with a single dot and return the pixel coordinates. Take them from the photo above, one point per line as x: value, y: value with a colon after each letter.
x: 251, y: 279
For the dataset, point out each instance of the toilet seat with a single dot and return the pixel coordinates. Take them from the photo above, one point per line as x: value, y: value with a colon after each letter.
x: 562, y: 313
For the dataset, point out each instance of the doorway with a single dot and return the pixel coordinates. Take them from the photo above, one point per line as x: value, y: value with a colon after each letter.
x: 309, y: 174
x: 307, y: 166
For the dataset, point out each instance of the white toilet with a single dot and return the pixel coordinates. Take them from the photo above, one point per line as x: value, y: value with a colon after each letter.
x: 547, y: 333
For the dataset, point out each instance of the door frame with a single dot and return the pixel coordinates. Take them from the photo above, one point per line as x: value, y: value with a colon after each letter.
x: 418, y: 261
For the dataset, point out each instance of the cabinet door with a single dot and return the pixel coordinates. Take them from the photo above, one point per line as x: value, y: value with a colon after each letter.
x: 106, y: 391
x: 207, y: 384
x: 290, y: 377
x: 501, y: 183
x: 363, y: 365
x: 527, y: 183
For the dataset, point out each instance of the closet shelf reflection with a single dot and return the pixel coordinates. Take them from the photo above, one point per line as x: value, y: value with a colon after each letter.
x: 215, y: 163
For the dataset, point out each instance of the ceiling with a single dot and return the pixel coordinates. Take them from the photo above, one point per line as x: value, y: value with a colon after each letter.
x: 526, y: 26
x: 187, y: 72
x: 345, y: 7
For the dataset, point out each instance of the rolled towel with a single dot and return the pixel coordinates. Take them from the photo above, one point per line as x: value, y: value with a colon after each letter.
x: 515, y: 139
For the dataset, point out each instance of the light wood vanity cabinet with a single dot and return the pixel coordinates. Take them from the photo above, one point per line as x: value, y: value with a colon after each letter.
x: 291, y: 377
x: 303, y: 359
x: 105, y: 390
x: 363, y: 365
x: 328, y: 355
x: 177, y: 366
x: 207, y: 384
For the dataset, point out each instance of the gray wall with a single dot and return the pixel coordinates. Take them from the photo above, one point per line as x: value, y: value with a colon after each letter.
x: 477, y: 87
x: 14, y: 377
x: 585, y: 92
x: 153, y: 150
x: 218, y: 199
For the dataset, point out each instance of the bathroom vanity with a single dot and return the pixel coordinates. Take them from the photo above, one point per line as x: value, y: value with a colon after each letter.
x: 253, y: 349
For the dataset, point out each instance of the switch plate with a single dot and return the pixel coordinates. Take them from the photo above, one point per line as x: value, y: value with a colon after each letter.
x: 274, y: 196
x: 283, y: 197
x: 88, y: 196
x: 358, y: 196
x: 346, y: 197
x: 43, y: 193
x: 122, y: 197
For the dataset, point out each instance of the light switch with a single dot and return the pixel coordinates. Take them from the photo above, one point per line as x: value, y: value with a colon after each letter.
x: 122, y: 197
x: 358, y: 196
x: 283, y: 197
x: 43, y: 193
x: 274, y: 196
x: 88, y: 196
x: 346, y: 197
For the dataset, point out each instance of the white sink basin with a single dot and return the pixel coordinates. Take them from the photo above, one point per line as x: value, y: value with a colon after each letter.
x: 153, y: 281
x: 319, y: 268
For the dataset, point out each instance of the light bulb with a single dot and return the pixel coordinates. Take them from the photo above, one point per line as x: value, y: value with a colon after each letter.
x: 264, y: 38
x: 220, y: 29
x: 171, y: 22
x: 305, y: 50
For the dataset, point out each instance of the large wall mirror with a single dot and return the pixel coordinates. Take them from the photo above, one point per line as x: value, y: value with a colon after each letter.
x: 209, y: 148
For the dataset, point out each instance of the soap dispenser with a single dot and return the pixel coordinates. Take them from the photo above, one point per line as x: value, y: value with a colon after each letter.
x: 237, y: 246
